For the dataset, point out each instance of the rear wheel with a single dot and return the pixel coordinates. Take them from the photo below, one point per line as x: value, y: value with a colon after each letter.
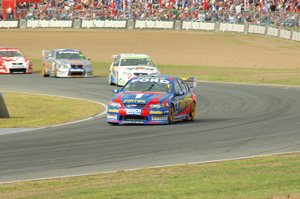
x: 192, y: 114
x: 171, y: 114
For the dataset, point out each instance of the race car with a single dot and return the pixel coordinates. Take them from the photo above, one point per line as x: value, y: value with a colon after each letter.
x: 65, y: 63
x: 12, y: 60
x: 127, y: 66
x: 152, y: 100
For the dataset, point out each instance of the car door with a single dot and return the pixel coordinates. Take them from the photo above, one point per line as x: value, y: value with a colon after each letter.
x: 186, y: 97
x: 178, y: 97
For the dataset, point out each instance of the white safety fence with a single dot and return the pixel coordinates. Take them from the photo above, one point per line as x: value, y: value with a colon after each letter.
x: 155, y: 24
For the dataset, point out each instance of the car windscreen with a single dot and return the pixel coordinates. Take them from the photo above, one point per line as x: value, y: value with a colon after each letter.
x: 136, y: 62
x: 69, y: 55
x: 11, y: 53
x: 137, y: 86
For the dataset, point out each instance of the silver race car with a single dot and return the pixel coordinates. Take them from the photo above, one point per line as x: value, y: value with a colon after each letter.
x: 65, y: 63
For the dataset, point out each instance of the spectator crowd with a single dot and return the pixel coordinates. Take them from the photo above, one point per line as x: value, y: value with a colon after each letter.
x: 267, y: 12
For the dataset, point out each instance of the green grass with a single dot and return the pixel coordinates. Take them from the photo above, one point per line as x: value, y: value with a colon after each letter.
x: 283, y: 76
x: 264, y: 177
x: 29, y: 110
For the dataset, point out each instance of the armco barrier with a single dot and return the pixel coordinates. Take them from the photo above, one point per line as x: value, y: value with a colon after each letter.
x: 9, y: 24
x: 296, y: 36
x: 49, y: 24
x: 154, y: 24
x: 104, y: 24
x: 285, y: 34
x: 150, y: 24
x: 226, y: 27
x: 193, y: 25
x: 274, y: 32
x: 257, y: 29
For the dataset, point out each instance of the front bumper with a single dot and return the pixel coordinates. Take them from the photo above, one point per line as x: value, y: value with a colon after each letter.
x: 11, y: 70
x: 137, y: 116
x: 70, y: 72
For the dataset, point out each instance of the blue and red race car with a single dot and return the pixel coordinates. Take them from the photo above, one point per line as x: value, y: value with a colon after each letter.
x: 153, y: 100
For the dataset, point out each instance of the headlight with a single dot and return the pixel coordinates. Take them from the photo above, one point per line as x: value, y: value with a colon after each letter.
x: 114, y: 104
x: 157, y: 106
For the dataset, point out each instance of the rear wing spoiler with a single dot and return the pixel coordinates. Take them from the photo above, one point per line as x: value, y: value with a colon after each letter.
x: 191, y: 81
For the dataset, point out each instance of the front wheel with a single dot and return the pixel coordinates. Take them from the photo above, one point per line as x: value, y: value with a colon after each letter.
x: 109, y: 80
x: 171, y: 114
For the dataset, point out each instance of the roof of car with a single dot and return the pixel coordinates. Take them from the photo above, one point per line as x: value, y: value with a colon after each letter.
x: 167, y: 77
x: 133, y: 55
x: 64, y: 49
x: 6, y: 48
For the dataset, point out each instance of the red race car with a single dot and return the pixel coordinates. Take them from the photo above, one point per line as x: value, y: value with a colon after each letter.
x: 12, y: 60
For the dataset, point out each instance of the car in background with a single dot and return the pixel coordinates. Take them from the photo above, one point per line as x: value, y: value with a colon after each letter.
x: 153, y: 100
x: 66, y: 63
x: 12, y: 60
x: 127, y: 66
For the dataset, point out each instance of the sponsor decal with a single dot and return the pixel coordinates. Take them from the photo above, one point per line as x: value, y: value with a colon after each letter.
x: 103, y: 24
x: 133, y: 111
x: 156, y: 118
x: 134, y: 101
x: 112, y: 116
x: 157, y: 80
x: 156, y: 112
x: 113, y: 111
x: 9, y: 24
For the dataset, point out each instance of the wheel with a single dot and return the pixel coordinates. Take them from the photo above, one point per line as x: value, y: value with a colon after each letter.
x: 109, y: 80
x: 192, y: 114
x: 45, y: 73
x: 171, y: 114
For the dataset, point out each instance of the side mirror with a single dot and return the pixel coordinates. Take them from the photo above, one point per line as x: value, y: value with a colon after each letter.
x: 180, y: 93
x: 89, y: 59
x: 115, y: 90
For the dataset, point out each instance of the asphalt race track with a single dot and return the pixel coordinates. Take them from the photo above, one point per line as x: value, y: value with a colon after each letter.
x: 232, y: 121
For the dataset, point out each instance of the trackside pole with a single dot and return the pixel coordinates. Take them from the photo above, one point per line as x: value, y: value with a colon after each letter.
x: 3, y: 110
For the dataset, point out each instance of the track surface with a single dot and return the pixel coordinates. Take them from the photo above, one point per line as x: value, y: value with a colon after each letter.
x: 233, y: 121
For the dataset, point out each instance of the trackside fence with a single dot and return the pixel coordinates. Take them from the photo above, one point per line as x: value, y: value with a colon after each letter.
x: 279, y: 32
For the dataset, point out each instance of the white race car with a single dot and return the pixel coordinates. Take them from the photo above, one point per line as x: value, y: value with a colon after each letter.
x: 127, y: 66
x: 13, y: 61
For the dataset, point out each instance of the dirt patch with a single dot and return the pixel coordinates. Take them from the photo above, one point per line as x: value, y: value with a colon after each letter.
x: 165, y: 47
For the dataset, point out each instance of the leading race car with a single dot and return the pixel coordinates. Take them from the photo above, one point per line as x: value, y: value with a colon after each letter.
x: 66, y: 63
x: 127, y: 66
x: 153, y: 100
x: 12, y: 60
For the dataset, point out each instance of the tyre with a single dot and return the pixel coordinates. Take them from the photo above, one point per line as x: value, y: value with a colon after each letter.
x: 44, y: 73
x: 171, y: 114
x: 192, y: 114
x: 109, y: 80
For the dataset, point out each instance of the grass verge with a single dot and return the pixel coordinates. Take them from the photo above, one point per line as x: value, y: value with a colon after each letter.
x: 263, y: 177
x: 29, y: 110
x: 283, y: 76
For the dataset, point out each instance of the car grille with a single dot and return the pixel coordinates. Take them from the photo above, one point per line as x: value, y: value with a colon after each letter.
x: 17, y: 70
x: 76, y: 66
x: 17, y: 64
x: 133, y: 118
x: 134, y: 105
x: 76, y: 73
x: 138, y: 74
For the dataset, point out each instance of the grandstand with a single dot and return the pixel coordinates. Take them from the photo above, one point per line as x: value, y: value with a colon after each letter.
x: 278, y: 13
